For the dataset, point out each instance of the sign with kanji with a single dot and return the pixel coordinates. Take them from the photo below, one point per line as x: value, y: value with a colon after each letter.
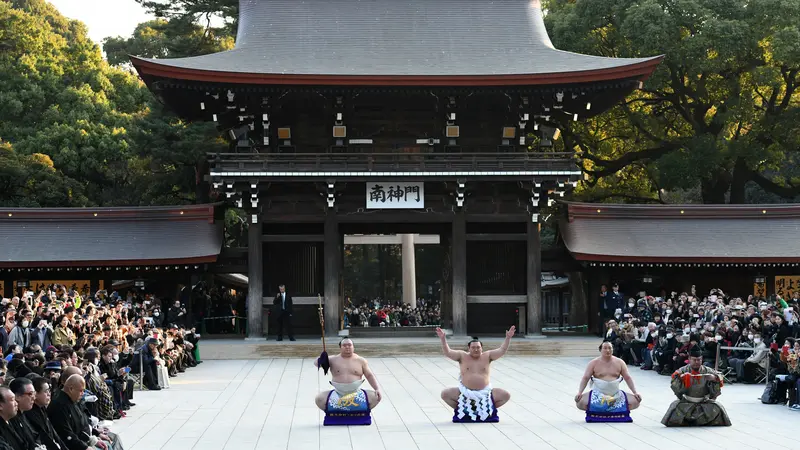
x: 786, y: 285
x: 41, y: 285
x: 395, y: 195
x: 760, y: 290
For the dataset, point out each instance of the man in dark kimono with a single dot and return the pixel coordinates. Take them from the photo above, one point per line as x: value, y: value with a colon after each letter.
x: 23, y: 392
x: 72, y: 424
x: 38, y: 419
x: 697, y: 388
x: 9, y: 432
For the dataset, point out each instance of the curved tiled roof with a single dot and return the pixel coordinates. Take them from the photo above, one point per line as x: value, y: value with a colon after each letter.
x: 64, y: 237
x: 299, y: 40
x: 682, y: 233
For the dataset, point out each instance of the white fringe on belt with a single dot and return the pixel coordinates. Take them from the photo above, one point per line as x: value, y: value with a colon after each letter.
x: 482, y: 399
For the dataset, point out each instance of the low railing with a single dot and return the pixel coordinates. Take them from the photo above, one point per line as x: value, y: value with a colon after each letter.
x: 385, y: 162
x: 744, y: 349
x: 233, y: 325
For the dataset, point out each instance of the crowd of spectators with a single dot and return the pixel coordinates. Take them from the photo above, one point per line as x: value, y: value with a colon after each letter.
x: 71, y: 363
x: 657, y: 333
x: 374, y: 314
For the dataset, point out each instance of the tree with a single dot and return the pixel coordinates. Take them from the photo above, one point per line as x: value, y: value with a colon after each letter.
x: 720, y: 113
x: 174, y: 38
x: 204, y: 12
x: 63, y: 101
x: 31, y: 181
x: 91, y: 129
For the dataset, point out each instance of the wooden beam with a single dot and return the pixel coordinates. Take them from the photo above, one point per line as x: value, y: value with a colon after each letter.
x: 267, y: 301
x: 293, y: 238
x: 396, y: 217
x: 389, y: 239
x: 497, y: 299
x: 497, y: 237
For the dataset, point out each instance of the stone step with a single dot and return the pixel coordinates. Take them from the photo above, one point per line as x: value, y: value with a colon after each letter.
x: 390, y: 332
x: 310, y: 348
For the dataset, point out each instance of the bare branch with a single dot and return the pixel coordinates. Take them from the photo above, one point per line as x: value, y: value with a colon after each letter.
x: 635, y: 198
x: 788, y: 191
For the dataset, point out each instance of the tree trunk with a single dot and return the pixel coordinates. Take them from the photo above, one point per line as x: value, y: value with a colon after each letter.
x: 741, y: 175
x: 713, y: 189
x: 202, y: 193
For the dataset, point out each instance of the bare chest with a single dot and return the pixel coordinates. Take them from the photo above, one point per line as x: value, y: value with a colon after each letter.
x: 470, y: 365
x: 606, y: 370
x: 341, y: 366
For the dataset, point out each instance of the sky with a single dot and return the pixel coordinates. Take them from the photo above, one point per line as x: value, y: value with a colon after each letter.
x: 104, y: 18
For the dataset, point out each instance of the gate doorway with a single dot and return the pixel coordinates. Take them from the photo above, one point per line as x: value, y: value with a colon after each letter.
x: 379, y: 268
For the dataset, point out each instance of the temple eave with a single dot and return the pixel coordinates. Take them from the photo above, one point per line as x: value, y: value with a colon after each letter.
x: 641, y: 71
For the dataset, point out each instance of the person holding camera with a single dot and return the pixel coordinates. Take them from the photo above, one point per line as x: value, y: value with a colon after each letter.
x: 117, y: 377
x: 176, y: 314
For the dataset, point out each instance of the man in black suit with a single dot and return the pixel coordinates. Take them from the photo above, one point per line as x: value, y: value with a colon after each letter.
x: 284, y: 309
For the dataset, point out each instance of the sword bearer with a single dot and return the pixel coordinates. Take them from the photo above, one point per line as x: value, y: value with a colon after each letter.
x: 697, y: 388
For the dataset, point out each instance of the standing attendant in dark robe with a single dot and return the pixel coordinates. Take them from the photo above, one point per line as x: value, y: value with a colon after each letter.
x: 697, y: 388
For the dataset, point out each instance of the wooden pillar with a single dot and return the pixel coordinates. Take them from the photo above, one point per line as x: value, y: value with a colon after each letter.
x: 459, y: 264
x: 579, y: 307
x: 255, y: 281
x: 446, y: 286
x: 332, y: 252
x: 94, y: 286
x: 409, y: 270
x: 534, y: 280
x: 8, y: 287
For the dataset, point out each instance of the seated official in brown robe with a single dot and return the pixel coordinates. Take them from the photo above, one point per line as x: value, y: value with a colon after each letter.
x: 697, y: 388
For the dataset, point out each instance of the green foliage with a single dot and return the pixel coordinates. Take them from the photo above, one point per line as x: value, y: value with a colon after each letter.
x: 197, y: 11
x: 174, y: 38
x: 79, y: 132
x: 720, y: 113
x: 31, y: 181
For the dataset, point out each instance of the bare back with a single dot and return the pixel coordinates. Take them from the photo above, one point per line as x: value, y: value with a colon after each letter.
x: 475, y: 372
x: 346, y: 370
x: 606, y: 370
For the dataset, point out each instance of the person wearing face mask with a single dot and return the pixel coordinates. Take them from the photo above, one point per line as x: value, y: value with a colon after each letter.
x: 63, y: 335
x: 650, y: 340
x: 759, y: 358
x: 738, y: 358
x: 21, y: 333
x: 8, y: 326
x: 41, y: 334
x: 121, y: 385
x: 158, y: 318
x: 665, y: 351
